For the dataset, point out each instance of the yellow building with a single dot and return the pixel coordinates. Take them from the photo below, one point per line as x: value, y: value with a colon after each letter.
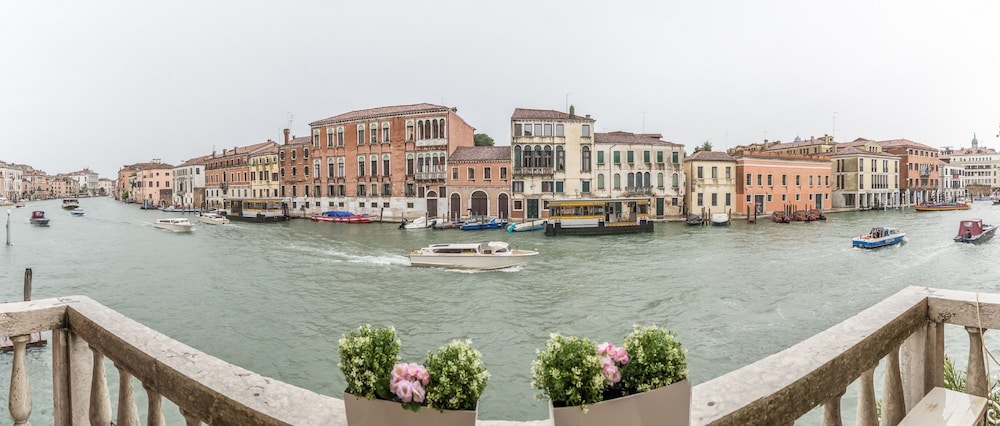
x: 864, y: 177
x: 711, y: 183
x: 264, y: 173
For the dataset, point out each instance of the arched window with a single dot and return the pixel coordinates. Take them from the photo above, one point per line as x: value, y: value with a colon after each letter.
x: 645, y: 180
x: 618, y: 181
x: 585, y: 159
x: 674, y: 181
x: 600, y: 181
x: 441, y: 126
x: 527, y: 156
x: 659, y: 180
x: 631, y: 181
x: 434, y: 129
x: 547, y: 158
x: 517, y: 156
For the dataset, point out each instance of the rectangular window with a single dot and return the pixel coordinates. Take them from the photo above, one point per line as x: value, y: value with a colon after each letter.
x: 517, y: 129
x: 538, y: 129
x: 701, y: 174
x: 784, y: 181
x: 715, y: 174
x: 585, y: 131
x: 770, y: 181
x: 361, y: 166
x: 548, y: 130
x: 674, y: 157
x: 798, y: 180
x: 472, y: 173
x: 715, y: 199
x: 630, y: 156
x: 517, y: 186
x: 560, y: 131
x: 618, y: 157
x: 503, y: 173
x: 454, y: 173
x: 659, y: 157
x: 760, y: 180
x: 729, y: 173
x: 729, y: 199
x: 487, y: 173
x: 374, y: 166
x: 645, y: 157
x: 600, y: 157
x: 374, y: 191
x: 527, y: 129
x: 701, y: 199
x: 559, y: 186
x: 749, y: 179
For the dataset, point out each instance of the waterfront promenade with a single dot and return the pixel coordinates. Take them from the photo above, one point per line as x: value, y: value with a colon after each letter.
x: 273, y: 299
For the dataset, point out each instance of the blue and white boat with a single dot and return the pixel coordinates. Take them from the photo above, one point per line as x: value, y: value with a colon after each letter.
x: 879, y: 236
x: 478, y: 224
x: 531, y: 225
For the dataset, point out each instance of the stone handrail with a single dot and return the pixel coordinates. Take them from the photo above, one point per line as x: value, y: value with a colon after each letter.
x: 906, y: 330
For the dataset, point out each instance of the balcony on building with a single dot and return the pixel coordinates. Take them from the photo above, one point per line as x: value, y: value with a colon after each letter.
x: 423, y: 143
x: 533, y: 171
x: 429, y: 175
x: 903, y: 336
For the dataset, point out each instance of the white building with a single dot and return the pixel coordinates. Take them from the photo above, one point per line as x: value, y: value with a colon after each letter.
x: 982, y: 165
x: 10, y: 181
x: 952, y: 181
x: 640, y: 165
x: 188, y: 177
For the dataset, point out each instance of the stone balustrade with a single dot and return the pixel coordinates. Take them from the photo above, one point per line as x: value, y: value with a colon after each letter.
x: 906, y: 331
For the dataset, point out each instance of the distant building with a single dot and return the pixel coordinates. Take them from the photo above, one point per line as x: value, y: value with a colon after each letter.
x: 865, y: 177
x: 919, y: 177
x: 189, y: 178
x: 767, y: 181
x: 952, y: 181
x: 981, y: 165
x: 227, y: 174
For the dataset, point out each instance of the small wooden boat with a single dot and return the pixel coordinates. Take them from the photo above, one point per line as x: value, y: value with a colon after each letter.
x: 341, y: 217
x: 38, y: 218
x: 483, y: 256
x: 174, y: 224
x: 779, y: 216
x: 213, y: 218
x: 974, y: 231
x: 936, y: 207
x: 879, y: 236
x: 531, y: 225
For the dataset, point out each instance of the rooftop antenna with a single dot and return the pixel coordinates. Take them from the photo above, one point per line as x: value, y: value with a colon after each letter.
x: 291, y: 118
x: 833, y: 133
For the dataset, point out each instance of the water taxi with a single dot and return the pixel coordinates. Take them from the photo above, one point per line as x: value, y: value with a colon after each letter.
x: 936, y: 207
x: 38, y: 218
x: 174, y: 224
x: 70, y: 203
x: 258, y: 210
x: 213, y: 218
x: 879, y: 236
x: 484, y: 256
x: 598, y: 216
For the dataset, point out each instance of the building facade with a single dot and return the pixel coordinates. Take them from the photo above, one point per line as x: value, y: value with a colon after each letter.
x: 920, y: 174
x: 981, y: 165
x: 952, y: 182
x: 864, y: 177
x: 639, y: 165
x: 387, y: 161
x: 227, y: 174
x: 766, y: 182
x: 711, y: 183
x: 188, y: 177
x: 479, y: 181
x: 552, y: 154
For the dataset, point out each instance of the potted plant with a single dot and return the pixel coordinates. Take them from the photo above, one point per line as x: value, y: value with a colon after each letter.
x: 381, y: 390
x: 642, y: 383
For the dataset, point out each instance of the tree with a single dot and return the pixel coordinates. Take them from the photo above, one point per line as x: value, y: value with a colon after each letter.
x: 707, y: 146
x: 482, y: 139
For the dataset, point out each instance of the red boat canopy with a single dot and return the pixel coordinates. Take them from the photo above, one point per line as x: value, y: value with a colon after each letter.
x: 970, y: 227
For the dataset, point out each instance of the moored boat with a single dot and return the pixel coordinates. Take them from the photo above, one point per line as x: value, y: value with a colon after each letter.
x: 481, y: 224
x: 598, y: 216
x: 720, y: 219
x: 213, y: 219
x: 175, y: 224
x: 260, y: 210
x: 70, y: 203
x: 779, y: 216
x: 38, y: 218
x: 974, y: 231
x: 531, y: 225
x: 341, y: 217
x: 418, y: 223
x: 934, y: 207
x: 484, y: 256
x: 879, y: 236
x: 693, y: 219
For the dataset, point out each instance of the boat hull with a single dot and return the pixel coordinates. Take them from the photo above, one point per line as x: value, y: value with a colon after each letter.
x: 259, y: 218
x: 872, y: 243
x: 978, y: 238
x: 601, y: 228
x: 213, y: 219
x: 173, y: 228
x: 471, y: 261
x: 941, y: 207
x: 529, y: 226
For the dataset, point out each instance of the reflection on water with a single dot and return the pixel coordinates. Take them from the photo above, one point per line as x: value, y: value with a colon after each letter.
x: 274, y: 298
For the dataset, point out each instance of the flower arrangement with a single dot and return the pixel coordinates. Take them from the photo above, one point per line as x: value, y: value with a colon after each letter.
x: 573, y: 371
x: 454, y: 377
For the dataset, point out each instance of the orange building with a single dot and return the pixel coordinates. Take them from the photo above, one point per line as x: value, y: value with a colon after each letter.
x: 479, y: 181
x: 767, y: 181
x: 919, y: 171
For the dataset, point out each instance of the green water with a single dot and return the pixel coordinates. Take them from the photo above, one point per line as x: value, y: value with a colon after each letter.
x: 274, y: 298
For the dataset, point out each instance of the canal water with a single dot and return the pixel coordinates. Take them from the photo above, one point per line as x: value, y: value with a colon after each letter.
x: 275, y: 298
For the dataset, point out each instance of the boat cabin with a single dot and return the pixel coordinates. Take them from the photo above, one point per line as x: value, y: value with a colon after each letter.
x: 969, y: 228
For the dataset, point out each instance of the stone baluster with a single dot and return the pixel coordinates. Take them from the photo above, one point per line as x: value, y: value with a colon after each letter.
x: 937, y: 363
x: 20, y: 390
x: 867, y: 411
x: 154, y: 414
x: 831, y: 411
x: 893, y: 406
x: 975, y: 379
x: 100, y: 402
x: 190, y: 419
x: 128, y: 414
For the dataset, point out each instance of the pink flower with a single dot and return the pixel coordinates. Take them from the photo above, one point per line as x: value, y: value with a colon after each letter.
x: 404, y: 390
x: 610, y: 371
x: 398, y: 371
x: 423, y: 376
x: 620, y: 356
x: 418, y: 392
x: 605, y: 348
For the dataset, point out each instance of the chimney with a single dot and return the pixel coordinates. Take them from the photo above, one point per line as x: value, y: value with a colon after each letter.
x: 572, y: 111
x: 287, y: 132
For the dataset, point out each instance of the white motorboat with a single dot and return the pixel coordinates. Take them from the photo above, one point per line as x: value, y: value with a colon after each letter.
x: 213, y: 219
x: 491, y: 255
x: 174, y: 224
x: 531, y: 225
x: 77, y: 212
x: 418, y: 223
x: 720, y: 219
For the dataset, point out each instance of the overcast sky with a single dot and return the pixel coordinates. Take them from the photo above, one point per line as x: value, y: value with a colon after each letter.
x: 102, y: 84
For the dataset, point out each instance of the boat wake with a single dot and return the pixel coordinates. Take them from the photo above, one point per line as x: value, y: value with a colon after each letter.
x: 377, y: 259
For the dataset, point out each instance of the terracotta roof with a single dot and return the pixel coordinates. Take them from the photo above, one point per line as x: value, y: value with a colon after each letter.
x: 545, y: 114
x: 364, y: 114
x: 626, y: 138
x: 906, y: 143
x: 856, y: 142
x: 301, y: 140
x: 148, y: 166
x: 197, y: 161
x: 970, y: 151
x: 710, y: 156
x: 853, y: 151
x: 480, y: 153
x: 244, y: 150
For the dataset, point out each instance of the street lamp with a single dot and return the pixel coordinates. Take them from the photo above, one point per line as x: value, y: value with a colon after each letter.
x: 8, y: 227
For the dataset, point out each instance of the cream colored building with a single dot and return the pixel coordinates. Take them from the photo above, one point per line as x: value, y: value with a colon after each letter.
x: 864, y: 177
x: 711, y: 183
x: 640, y: 165
x: 553, y: 158
x: 981, y: 165
x: 264, y: 182
x: 188, y: 178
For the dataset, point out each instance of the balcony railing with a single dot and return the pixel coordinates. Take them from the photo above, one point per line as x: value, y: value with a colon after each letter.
x: 432, y: 142
x: 904, y: 333
x: 533, y: 170
x: 638, y: 190
x: 429, y: 176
